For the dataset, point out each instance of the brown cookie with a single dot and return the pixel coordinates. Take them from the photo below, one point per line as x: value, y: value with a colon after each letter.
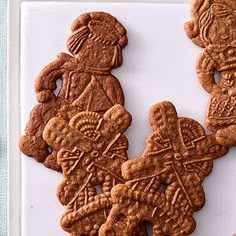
x: 91, y: 149
x: 164, y: 186
x: 213, y: 27
x: 96, y: 44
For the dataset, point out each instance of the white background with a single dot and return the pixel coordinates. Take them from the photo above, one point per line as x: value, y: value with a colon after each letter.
x: 159, y: 64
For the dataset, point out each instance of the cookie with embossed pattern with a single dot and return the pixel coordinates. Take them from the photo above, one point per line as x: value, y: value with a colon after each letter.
x: 213, y: 27
x: 96, y: 44
x: 91, y: 149
x: 164, y: 186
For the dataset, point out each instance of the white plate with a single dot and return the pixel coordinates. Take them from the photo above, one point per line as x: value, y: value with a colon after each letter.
x: 159, y: 64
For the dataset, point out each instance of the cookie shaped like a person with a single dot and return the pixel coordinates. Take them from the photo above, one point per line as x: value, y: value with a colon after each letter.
x: 213, y: 27
x: 91, y: 149
x: 164, y: 186
x: 96, y: 45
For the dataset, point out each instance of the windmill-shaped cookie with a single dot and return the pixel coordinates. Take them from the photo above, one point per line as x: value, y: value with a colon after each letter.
x: 164, y: 186
x: 91, y: 149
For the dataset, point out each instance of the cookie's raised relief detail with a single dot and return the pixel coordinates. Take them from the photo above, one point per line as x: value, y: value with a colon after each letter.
x: 96, y: 44
x: 164, y: 186
x: 213, y: 27
x: 91, y: 149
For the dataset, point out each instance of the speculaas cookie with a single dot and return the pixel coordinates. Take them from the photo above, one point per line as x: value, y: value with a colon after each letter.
x: 96, y: 44
x: 213, y: 27
x: 91, y: 149
x: 164, y: 186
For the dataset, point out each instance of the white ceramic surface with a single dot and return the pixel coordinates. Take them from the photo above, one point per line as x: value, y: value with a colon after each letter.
x: 159, y: 64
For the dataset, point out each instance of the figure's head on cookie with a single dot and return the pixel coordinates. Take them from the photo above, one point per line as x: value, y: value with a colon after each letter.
x: 213, y: 22
x: 99, y: 38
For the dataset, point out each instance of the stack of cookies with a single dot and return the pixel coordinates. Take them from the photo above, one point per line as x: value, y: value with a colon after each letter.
x: 80, y: 131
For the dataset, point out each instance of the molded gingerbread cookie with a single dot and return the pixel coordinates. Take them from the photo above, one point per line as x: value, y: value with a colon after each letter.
x: 213, y: 27
x: 91, y: 149
x: 96, y: 44
x: 164, y: 186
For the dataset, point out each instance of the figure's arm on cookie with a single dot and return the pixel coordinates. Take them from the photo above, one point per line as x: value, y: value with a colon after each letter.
x: 45, y: 83
x: 114, y: 90
x: 206, y: 72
